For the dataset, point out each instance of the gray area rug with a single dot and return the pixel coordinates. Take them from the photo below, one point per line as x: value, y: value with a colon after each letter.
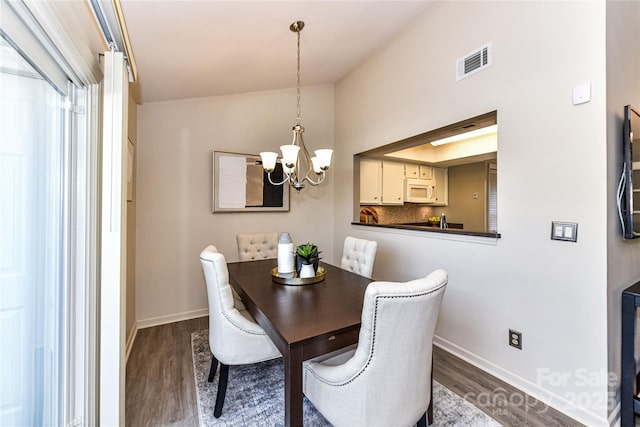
x: 255, y: 396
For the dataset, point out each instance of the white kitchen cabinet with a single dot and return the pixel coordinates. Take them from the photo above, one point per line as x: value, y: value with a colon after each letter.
x: 370, y: 182
x: 392, y: 183
x: 441, y: 178
x: 426, y: 172
x: 411, y: 171
x: 415, y: 171
x: 381, y: 182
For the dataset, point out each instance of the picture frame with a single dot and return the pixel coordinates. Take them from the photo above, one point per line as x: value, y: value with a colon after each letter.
x: 239, y: 184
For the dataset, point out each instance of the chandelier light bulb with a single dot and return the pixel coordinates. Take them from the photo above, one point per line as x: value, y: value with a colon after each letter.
x: 316, y: 165
x: 324, y: 156
x: 289, y: 155
x: 269, y: 159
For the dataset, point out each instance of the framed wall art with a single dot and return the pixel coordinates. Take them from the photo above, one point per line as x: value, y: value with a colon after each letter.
x: 241, y: 185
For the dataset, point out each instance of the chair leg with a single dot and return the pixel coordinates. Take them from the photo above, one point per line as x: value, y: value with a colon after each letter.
x: 430, y: 408
x: 214, y: 368
x: 422, y: 422
x: 222, y: 389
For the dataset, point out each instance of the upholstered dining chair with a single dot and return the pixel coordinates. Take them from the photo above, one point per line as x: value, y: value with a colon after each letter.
x: 358, y: 255
x: 234, y: 336
x: 386, y: 379
x: 254, y: 246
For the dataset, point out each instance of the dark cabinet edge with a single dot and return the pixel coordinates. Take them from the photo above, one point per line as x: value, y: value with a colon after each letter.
x: 430, y: 229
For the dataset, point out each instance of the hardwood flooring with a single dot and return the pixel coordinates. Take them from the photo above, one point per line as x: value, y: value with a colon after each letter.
x: 160, y: 388
x: 501, y: 401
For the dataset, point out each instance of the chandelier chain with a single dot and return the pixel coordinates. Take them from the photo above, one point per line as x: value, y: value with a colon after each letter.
x: 298, y: 112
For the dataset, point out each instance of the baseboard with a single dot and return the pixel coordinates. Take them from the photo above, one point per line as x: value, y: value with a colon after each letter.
x: 130, y: 339
x: 545, y: 396
x: 170, y: 318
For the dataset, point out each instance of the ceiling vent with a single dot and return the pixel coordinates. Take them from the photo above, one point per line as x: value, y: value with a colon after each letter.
x: 476, y: 61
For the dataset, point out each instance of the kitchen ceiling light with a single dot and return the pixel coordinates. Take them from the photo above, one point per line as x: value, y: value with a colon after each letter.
x: 467, y: 135
x: 295, y: 157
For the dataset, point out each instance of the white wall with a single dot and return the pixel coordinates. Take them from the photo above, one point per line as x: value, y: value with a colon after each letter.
x: 174, y: 218
x: 551, y: 166
x: 623, y: 87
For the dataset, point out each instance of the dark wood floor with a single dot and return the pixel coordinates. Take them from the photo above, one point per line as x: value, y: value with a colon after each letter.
x: 160, y: 388
x: 503, y: 402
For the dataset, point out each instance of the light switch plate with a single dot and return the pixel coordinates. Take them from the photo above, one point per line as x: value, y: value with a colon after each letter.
x: 582, y: 93
x: 567, y: 231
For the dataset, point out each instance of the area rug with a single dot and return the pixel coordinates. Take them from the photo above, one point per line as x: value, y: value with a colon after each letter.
x: 255, y: 396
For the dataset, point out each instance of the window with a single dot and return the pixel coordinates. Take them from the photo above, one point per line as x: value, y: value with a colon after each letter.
x: 444, y: 171
x: 45, y: 243
x: 33, y: 247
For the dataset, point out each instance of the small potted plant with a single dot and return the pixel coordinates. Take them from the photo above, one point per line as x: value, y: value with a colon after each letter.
x: 307, y: 255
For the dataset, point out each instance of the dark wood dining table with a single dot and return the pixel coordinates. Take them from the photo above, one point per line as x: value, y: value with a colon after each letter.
x: 302, y: 321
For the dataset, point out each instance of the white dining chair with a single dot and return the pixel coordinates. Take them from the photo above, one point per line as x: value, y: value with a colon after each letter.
x: 255, y: 246
x: 386, y: 379
x: 359, y: 255
x: 234, y: 336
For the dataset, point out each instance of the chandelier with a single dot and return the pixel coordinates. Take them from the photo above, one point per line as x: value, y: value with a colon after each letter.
x: 297, y: 165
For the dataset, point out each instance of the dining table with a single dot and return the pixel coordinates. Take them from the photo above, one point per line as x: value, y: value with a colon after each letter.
x: 303, y: 321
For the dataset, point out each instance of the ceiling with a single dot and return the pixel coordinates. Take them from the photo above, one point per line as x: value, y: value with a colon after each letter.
x: 189, y: 49
x: 471, y: 150
x: 470, y: 147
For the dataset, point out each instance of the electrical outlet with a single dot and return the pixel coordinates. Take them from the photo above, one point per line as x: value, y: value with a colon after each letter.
x: 515, y: 339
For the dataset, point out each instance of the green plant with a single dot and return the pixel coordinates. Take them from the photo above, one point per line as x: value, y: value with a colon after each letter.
x: 308, y: 253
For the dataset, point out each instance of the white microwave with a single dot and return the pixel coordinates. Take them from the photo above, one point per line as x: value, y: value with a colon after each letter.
x: 419, y: 190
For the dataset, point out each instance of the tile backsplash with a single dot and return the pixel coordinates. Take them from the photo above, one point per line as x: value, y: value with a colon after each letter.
x: 409, y: 212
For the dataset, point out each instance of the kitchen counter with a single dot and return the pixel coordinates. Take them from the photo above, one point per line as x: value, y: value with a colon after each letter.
x: 456, y: 225
x: 426, y: 227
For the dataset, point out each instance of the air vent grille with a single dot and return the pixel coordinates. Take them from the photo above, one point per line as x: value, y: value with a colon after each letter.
x: 477, y: 60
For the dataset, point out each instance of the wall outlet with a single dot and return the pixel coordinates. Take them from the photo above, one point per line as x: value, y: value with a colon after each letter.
x: 515, y: 339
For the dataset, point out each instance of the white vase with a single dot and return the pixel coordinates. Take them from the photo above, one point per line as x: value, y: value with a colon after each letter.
x: 285, y: 254
x: 307, y: 271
